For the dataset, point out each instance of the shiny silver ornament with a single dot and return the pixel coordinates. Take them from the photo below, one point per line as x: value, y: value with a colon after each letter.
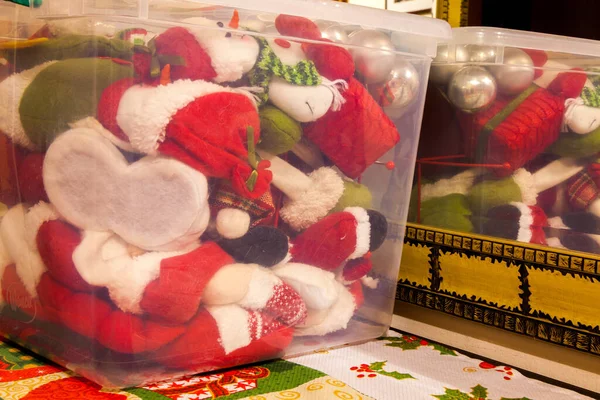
x: 335, y: 33
x: 515, y: 74
x: 477, y: 53
x: 472, y: 89
x: 375, y: 60
x: 445, y: 64
x: 399, y: 91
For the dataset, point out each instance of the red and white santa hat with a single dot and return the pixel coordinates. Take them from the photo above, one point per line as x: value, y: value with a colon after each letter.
x: 184, y: 120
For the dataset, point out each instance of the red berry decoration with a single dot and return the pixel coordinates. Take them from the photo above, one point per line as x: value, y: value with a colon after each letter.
x: 353, y: 368
x: 486, y: 365
x: 360, y: 376
x: 424, y: 342
x: 372, y: 375
x: 390, y: 165
x: 506, y: 378
x: 283, y: 43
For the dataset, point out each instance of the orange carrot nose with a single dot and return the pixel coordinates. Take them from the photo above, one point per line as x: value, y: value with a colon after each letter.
x: 165, y: 75
x: 235, y: 20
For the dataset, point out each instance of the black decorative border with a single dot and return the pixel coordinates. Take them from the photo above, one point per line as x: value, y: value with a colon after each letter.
x: 521, y: 320
x: 503, y: 319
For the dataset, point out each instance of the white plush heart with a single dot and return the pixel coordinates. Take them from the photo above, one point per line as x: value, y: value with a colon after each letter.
x: 302, y: 103
x: 156, y: 203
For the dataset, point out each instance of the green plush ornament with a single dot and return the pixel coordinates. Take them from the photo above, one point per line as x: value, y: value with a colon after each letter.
x: 67, y: 47
x: 447, y: 212
x: 355, y: 195
x: 65, y: 92
x: 279, y: 133
x: 573, y: 145
x: 492, y: 193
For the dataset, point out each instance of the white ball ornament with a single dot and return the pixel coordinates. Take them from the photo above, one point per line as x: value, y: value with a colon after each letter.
x: 445, y: 64
x: 400, y: 90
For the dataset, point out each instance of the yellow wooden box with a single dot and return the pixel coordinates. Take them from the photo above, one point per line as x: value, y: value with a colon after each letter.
x: 531, y: 290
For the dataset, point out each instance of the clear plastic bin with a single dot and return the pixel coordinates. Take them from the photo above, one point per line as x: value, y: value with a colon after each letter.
x: 511, y: 138
x: 188, y: 187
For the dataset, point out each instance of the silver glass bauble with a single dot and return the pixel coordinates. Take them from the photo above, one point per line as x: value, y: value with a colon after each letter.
x: 472, y: 89
x: 515, y: 74
x: 335, y: 33
x: 401, y: 89
x: 445, y: 64
x: 375, y: 58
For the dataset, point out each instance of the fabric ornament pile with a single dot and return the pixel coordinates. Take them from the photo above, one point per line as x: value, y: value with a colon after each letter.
x: 533, y: 158
x: 186, y: 197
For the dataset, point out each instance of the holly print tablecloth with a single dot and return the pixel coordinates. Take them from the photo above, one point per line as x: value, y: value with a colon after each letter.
x: 393, y: 367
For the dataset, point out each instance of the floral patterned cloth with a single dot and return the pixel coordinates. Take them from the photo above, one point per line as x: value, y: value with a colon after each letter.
x: 392, y: 367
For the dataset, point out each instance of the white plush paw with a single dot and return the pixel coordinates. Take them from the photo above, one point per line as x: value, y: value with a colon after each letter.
x: 302, y: 103
x: 156, y: 203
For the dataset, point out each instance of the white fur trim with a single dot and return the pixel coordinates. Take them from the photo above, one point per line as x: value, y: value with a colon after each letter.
x: 35, y: 218
x: 555, y: 243
x: 526, y: 184
x: 11, y: 93
x: 261, y: 289
x: 233, y: 323
x: 231, y: 57
x: 315, y: 202
x: 232, y: 223
x: 102, y: 259
x: 29, y: 264
x: 363, y: 231
x: 316, y: 287
x: 144, y: 111
x: 94, y: 124
x: 337, y: 318
x: 229, y: 285
x: 369, y: 282
x: 556, y: 172
x: 525, y: 222
x: 557, y: 223
x: 460, y: 183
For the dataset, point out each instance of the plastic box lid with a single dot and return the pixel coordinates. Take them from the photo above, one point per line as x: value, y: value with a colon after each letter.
x: 411, y: 33
x: 501, y: 38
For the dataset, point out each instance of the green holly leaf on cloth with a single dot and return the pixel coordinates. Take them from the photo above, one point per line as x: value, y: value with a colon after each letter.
x: 522, y: 398
x: 444, y: 350
x: 452, y: 394
x: 479, y: 392
x: 396, y: 375
x: 377, y: 367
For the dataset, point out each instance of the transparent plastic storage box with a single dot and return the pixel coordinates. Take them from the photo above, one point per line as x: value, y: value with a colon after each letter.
x: 511, y: 140
x: 188, y: 187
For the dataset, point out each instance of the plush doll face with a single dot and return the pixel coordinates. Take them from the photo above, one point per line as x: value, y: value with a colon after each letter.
x: 232, y: 54
x: 582, y: 119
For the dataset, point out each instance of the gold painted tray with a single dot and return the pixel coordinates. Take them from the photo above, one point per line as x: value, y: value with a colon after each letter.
x: 532, y: 290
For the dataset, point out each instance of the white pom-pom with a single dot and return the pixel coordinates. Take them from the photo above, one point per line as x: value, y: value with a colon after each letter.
x: 232, y: 223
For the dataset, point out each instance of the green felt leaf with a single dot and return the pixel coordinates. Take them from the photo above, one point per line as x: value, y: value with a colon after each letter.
x: 376, y: 366
x: 522, y: 398
x: 396, y: 375
x: 479, y: 392
x: 404, y: 345
x: 452, y: 394
x: 444, y: 350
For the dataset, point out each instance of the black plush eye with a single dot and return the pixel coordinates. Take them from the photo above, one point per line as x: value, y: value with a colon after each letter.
x: 228, y: 35
x: 220, y: 24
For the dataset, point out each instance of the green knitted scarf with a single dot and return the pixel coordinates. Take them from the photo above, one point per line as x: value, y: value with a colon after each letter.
x: 591, y: 96
x: 269, y: 65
